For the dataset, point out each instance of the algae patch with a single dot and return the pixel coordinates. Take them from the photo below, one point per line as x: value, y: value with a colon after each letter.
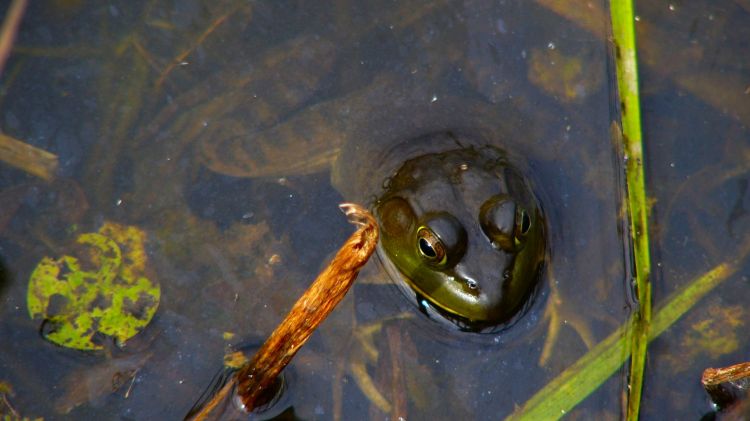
x: 103, y: 290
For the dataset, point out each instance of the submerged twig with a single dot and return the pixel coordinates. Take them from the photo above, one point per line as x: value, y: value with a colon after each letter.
x: 254, y: 379
x: 9, y: 30
x: 5, y: 390
x: 28, y: 158
x: 184, y: 54
x: 397, y: 375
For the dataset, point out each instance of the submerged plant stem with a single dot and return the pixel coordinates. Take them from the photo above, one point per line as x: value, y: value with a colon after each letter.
x: 9, y: 29
x: 184, y: 54
x: 254, y: 378
x: 28, y: 158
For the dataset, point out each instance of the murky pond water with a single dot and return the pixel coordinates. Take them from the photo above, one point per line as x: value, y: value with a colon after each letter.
x: 227, y: 132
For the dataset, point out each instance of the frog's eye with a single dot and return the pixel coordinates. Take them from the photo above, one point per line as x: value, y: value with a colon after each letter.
x: 441, y: 240
x: 504, y: 222
x: 430, y: 247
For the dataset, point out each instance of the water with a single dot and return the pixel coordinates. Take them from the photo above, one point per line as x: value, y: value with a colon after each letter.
x: 696, y: 120
x: 215, y: 128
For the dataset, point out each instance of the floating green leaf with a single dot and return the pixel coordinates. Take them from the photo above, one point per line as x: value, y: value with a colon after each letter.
x: 103, y: 290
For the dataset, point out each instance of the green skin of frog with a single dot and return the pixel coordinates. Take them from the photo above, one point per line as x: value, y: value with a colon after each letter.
x: 466, y: 233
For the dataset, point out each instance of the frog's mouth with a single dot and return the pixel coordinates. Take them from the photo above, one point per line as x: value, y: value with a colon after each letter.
x: 432, y: 309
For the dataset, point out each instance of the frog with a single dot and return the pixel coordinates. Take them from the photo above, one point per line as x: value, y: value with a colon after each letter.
x: 473, y: 260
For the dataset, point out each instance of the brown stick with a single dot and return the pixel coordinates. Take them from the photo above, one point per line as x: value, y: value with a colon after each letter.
x: 726, y: 385
x: 254, y: 379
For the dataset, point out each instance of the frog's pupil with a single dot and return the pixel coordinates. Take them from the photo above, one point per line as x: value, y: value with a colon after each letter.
x: 525, y: 222
x: 426, y: 248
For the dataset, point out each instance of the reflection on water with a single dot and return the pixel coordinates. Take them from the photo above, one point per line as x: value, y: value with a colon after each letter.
x: 229, y: 131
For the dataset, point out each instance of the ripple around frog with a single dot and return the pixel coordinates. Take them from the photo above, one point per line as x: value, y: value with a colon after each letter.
x: 398, y: 129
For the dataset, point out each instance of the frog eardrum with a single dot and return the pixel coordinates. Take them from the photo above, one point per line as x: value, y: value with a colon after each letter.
x: 466, y: 234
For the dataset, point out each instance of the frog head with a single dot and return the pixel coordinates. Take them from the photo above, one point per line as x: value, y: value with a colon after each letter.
x: 465, y: 233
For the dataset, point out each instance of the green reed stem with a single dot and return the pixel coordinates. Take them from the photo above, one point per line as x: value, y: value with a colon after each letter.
x: 623, y: 33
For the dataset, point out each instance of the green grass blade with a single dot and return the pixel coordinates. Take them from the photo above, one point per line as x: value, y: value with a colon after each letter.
x: 579, y: 380
x: 623, y: 33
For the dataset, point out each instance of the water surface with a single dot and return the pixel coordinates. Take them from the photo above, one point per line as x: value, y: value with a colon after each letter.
x: 215, y: 128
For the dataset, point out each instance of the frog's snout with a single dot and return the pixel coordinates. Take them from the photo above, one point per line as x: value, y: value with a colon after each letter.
x: 483, y: 271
